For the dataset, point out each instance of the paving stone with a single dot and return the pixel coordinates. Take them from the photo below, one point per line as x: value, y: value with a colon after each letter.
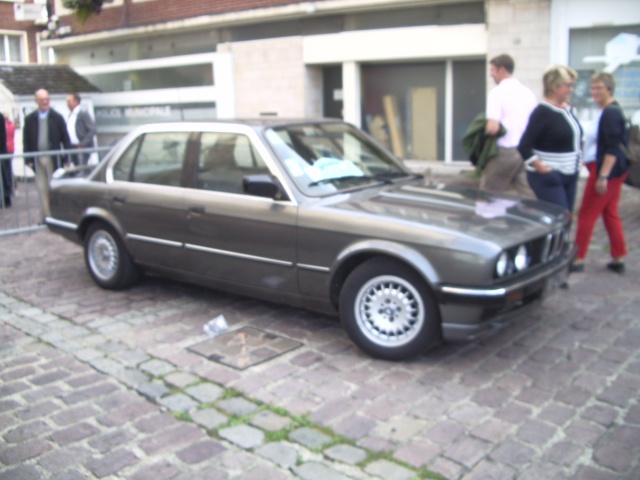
x: 132, y: 377
x: 111, y: 348
x: 270, y: 421
x: 154, y: 389
x: 618, y: 395
x: 564, y: 453
x: 130, y: 357
x: 111, y: 439
x: 39, y: 410
x: 112, y: 463
x: 178, y: 402
x: 171, y: 438
x: 309, y: 437
x: 346, y: 454
x: 355, y: 427
x: 155, y: 422
x: 536, y: 433
x: 88, y: 354
x: 541, y: 470
x: 75, y: 414
x: 317, y: 471
x: 27, y: 431
x: 200, y: 451
x: 49, y: 377
x: 617, y: 457
x: 400, y: 429
x: 162, y: 470
x: 602, y: 414
x: 445, y: 432
x: 106, y: 365
x: 74, y: 433
x: 280, y: 453
x: 157, y: 368
x: 468, y: 451
x: 24, y: 451
x: 181, y: 379
x: 389, y: 470
x: 243, y: 435
x: 446, y: 468
x: 513, y: 453
x: 237, y: 406
x: 205, y: 392
x: 209, y: 418
x: 63, y: 458
x: 21, y: 472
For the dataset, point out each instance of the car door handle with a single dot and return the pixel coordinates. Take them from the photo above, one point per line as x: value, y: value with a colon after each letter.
x: 119, y: 198
x: 197, y: 209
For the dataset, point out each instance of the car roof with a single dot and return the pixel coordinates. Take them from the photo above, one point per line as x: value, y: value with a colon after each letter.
x: 252, y: 123
x: 278, y: 121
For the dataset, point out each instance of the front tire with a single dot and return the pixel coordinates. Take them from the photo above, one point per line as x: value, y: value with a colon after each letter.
x: 388, y: 310
x: 107, y: 259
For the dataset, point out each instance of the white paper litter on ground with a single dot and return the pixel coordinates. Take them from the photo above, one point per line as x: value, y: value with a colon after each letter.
x: 216, y: 326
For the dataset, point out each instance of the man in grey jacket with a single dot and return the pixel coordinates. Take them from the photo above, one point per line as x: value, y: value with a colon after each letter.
x: 81, y: 128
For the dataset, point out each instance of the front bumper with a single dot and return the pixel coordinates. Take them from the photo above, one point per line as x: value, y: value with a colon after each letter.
x: 469, y: 312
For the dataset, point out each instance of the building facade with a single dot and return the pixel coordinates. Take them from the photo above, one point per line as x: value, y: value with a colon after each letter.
x: 413, y: 73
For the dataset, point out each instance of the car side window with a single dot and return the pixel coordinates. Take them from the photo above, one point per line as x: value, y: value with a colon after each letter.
x: 225, y: 158
x: 157, y: 160
x: 123, y: 168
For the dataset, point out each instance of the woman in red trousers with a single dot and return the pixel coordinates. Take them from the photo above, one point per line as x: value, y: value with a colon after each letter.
x: 606, y: 176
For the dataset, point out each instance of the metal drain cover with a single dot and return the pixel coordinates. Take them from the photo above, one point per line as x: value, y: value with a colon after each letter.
x: 244, y: 348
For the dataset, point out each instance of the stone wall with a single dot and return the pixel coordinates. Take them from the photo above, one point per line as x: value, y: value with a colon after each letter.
x: 271, y: 78
x: 521, y: 28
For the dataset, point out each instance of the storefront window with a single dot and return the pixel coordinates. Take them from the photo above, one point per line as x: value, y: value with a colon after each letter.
x: 469, y: 99
x: 404, y: 108
x: 615, y: 50
x: 155, y: 78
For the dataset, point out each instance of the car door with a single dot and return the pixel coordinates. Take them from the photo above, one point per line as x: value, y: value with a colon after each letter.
x: 147, y: 197
x: 232, y: 236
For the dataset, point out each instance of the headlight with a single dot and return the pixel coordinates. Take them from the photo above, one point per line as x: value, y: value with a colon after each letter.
x: 522, y: 258
x: 502, y: 265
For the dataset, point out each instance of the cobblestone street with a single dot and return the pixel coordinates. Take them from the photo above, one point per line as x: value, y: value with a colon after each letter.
x: 115, y: 385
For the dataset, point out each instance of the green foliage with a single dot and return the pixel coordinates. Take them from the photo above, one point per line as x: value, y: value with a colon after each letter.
x: 84, y: 8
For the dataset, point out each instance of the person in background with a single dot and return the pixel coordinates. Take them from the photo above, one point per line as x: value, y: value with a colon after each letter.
x: 509, y: 104
x: 80, y: 127
x: 606, y: 176
x: 552, y: 142
x: 6, y: 182
x: 44, y: 130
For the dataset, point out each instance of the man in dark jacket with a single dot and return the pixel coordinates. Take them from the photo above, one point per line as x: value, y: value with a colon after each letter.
x: 45, y: 130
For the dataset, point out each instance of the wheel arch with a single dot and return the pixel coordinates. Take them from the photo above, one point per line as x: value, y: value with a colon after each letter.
x: 361, y: 252
x: 95, y: 214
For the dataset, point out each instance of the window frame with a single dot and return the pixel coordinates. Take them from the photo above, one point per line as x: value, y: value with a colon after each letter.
x: 22, y: 46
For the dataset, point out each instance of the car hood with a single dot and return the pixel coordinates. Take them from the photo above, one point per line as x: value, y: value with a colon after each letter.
x: 502, y: 219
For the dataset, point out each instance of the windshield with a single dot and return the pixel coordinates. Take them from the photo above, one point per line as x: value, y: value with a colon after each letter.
x: 330, y: 157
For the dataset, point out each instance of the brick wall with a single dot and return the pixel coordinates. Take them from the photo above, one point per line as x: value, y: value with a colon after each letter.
x: 521, y: 29
x: 135, y: 13
x: 8, y: 23
x: 270, y: 76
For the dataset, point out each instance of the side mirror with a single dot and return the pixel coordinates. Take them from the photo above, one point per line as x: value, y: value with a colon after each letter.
x: 262, y: 185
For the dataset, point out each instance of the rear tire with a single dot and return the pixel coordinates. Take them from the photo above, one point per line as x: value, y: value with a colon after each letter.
x: 107, y: 259
x: 388, y: 310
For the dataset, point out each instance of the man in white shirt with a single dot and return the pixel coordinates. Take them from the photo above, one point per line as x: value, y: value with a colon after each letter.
x: 510, y: 103
x: 81, y: 128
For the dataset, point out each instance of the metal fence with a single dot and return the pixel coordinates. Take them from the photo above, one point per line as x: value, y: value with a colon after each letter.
x: 22, y: 214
